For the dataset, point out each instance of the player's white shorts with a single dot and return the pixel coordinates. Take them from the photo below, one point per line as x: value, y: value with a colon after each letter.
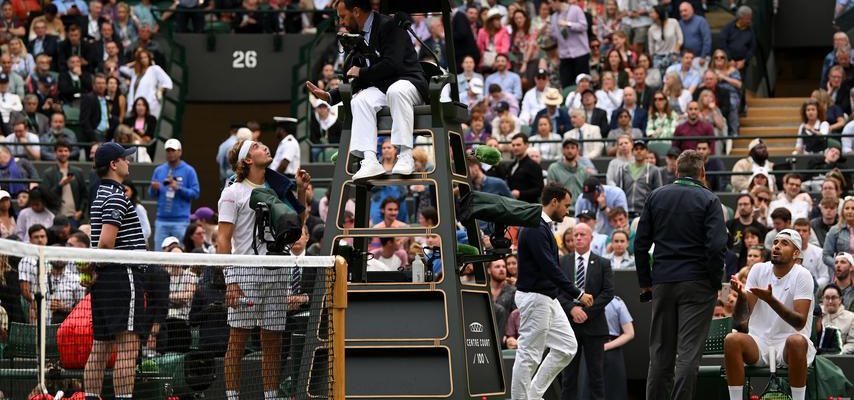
x: 764, y: 357
x: 267, y: 289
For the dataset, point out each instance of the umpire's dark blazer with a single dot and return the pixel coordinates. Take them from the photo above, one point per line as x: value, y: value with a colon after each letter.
x: 392, y: 58
x: 599, y: 283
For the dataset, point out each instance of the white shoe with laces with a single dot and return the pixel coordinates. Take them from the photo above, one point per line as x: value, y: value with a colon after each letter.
x: 369, y: 168
x: 405, y: 165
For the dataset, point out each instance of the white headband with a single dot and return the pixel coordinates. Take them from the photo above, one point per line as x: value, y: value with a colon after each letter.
x: 244, y: 149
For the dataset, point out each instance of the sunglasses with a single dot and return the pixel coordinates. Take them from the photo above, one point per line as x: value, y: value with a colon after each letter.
x: 660, y: 99
x: 720, y: 58
x: 763, y: 199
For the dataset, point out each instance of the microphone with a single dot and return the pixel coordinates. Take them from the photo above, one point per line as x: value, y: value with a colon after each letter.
x: 487, y: 155
x: 402, y: 19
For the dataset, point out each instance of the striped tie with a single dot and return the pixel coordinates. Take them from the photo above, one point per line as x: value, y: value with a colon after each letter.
x: 579, y: 273
x: 296, y: 280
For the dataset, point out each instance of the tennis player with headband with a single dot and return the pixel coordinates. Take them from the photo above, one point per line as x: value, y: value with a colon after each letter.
x: 256, y: 297
x: 783, y: 318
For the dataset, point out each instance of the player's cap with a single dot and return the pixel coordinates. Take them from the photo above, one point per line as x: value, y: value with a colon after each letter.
x: 111, y: 151
x: 791, y: 235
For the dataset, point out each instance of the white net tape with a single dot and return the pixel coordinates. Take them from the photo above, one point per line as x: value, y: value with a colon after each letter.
x: 18, y: 249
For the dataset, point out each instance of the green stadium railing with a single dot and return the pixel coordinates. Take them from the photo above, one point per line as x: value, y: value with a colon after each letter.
x: 170, y: 124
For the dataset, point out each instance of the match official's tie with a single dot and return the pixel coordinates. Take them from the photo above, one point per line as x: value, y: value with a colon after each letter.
x: 579, y: 273
x: 296, y: 280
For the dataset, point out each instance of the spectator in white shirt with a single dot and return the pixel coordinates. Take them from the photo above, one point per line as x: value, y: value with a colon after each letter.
x: 548, y: 151
x: 619, y: 254
x: 22, y: 136
x: 813, y: 124
x: 610, y: 97
x: 532, y: 102
x: 812, y: 255
x: 792, y: 199
x: 9, y: 102
x: 836, y: 316
x: 63, y: 291
x: 582, y: 83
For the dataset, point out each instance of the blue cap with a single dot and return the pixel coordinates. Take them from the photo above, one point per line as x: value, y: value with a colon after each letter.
x: 109, y: 152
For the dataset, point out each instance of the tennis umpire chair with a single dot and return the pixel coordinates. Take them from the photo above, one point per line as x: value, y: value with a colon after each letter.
x: 441, y: 331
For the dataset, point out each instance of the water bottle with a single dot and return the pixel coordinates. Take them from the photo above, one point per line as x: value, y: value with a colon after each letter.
x: 417, y: 270
x: 245, y: 302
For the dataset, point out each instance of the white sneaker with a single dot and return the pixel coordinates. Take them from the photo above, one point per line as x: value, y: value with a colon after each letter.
x: 405, y: 165
x: 369, y: 168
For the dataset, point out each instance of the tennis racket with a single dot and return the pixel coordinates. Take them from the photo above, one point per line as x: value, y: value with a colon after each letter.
x: 774, y: 390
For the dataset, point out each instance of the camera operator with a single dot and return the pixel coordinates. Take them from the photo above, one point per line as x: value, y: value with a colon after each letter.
x: 388, y: 74
x: 256, y: 297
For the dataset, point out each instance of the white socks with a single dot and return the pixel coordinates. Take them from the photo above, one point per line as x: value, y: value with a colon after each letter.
x: 232, y: 395
x: 799, y: 393
x: 736, y: 392
x: 370, y: 155
x: 271, y: 395
x: 405, y: 150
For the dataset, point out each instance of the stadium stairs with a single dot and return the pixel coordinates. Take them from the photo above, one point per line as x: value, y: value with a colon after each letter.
x: 770, y: 117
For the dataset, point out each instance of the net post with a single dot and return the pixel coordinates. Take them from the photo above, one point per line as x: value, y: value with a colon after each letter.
x: 339, y: 307
x: 42, y: 319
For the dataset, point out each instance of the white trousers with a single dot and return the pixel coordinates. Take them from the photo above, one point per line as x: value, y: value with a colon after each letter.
x: 401, y: 98
x: 542, y: 323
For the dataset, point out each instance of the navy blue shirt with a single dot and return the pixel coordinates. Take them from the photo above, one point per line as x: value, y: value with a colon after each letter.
x: 539, y: 269
x: 686, y: 223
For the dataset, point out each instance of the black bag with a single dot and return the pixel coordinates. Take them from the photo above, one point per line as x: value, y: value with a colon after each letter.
x: 213, y: 329
x: 814, y: 143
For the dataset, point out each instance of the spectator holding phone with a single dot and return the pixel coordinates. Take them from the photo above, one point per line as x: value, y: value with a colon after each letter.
x: 175, y: 185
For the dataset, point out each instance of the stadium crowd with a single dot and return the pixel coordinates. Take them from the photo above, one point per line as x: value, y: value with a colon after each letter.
x: 550, y: 100
x: 557, y: 85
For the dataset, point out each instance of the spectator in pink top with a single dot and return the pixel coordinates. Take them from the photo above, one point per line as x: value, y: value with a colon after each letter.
x: 492, y: 40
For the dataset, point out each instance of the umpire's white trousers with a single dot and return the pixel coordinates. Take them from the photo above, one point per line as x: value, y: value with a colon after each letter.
x: 542, y: 323
x: 401, y: 98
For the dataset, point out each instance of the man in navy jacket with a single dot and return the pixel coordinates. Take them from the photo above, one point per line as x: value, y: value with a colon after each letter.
x: 685, y: 221
x: 543, y: 322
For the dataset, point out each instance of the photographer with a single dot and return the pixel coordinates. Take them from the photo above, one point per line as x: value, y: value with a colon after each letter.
x: 256, y: 297
x: 387, y: 74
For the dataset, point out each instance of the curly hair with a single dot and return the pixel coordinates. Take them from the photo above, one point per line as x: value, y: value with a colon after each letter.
x: 240, y: 168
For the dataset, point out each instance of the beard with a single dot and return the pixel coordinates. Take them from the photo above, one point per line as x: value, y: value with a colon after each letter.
x: 759, y: 157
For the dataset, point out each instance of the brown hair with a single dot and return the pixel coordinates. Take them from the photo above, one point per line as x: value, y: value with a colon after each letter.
x: 819, y: 110
x: 240, y: 168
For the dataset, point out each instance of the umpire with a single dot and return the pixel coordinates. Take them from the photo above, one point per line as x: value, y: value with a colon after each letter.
x: 685, y: 222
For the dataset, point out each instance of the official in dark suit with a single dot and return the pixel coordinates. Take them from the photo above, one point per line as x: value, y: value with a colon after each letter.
x: 593, y: 275
x: 524, y: 177
x: 93, y: 125
x: 686, y: 223
x: 542, y: 321
x: 390, y: 75
x: 465, y: 34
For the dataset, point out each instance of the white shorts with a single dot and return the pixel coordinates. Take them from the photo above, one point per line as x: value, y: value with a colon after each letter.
x: 268, y: 291
x: 764, y: 356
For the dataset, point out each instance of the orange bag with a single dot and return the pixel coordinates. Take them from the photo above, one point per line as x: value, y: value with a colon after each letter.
x: 74, y: 338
